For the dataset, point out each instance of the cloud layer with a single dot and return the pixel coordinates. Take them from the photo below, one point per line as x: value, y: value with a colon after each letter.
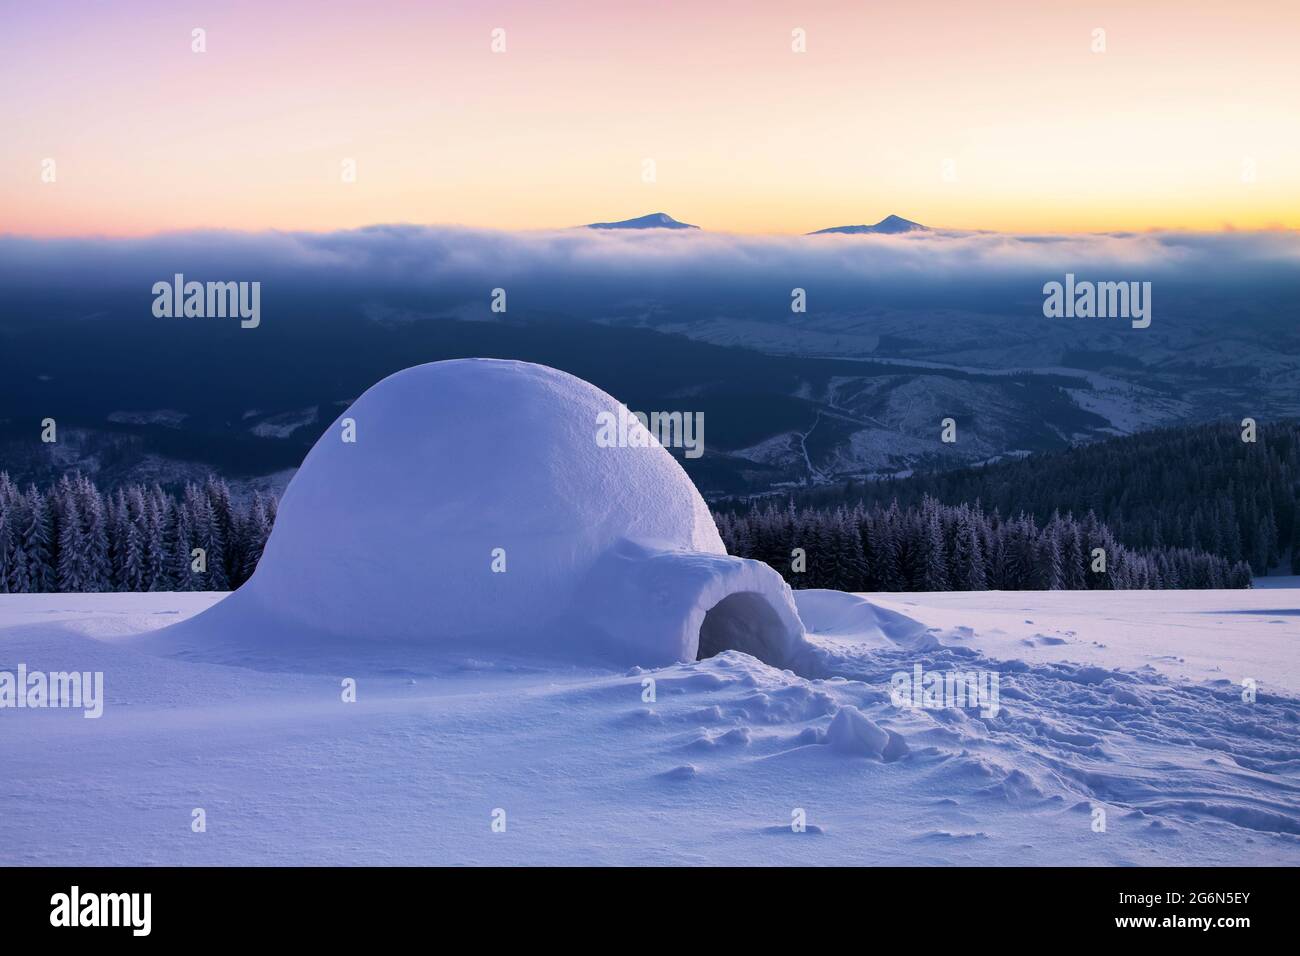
x: 415, y: 270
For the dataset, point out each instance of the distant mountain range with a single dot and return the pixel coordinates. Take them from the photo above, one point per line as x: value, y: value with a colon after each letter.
x: 656, y: 220
x: 890, y: 225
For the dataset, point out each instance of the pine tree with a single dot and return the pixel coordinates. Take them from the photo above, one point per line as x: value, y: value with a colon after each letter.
x: 6, y: 549
x: 976, y: 580
x: 936, y: 561
x: 183, y: 576
x: 90, y: 506
x: 74, y: 572
x: 157, y: 562
x: 224, y: 531
x: 36, y: 543
x: 132, y: 573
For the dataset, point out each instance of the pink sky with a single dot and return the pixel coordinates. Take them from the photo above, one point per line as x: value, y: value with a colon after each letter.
x: 968, y: 115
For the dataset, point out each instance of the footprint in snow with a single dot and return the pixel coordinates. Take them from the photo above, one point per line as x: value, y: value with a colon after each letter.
x: 809, y: 828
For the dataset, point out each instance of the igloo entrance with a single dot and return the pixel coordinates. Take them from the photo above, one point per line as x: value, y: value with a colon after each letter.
x: 744, y: 621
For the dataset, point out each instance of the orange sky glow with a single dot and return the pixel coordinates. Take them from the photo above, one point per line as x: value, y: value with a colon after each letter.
x: 995, y: 115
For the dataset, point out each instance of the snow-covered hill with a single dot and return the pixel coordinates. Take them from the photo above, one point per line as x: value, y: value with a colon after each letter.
x: 485, y: 630
x: 1130, y: 703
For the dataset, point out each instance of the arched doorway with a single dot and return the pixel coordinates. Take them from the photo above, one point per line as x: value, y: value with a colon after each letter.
x: 743, y: 621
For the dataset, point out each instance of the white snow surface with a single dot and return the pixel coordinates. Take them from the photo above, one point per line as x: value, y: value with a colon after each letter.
x: 477, y: 508
x: 1130, y: 702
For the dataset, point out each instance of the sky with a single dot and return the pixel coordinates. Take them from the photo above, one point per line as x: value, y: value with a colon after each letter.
x: 991, y: 115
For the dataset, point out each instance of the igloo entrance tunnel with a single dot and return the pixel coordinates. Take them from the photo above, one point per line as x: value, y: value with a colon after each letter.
x: 476, y: 507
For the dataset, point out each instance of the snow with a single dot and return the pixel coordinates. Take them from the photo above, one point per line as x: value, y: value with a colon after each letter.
x: 478, y: 508
x: 163, y: 416
x: 852, y: 732
x: 284, y: 424
x: 1220, y: 635
x: 1136, y: 710
x: 477, y: 612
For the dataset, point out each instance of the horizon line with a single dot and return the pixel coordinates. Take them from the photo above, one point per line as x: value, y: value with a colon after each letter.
x: 1226, y: 229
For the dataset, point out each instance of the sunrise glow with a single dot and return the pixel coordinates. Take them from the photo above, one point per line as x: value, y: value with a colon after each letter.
x: 998, y: 115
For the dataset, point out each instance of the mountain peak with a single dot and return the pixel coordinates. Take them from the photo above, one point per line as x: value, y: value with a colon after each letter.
x: 656, y: 220
x: 890, y: 225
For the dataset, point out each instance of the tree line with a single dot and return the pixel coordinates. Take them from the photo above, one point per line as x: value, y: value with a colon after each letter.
x: 1197, y: 487
x: 72, y: 537
x: 937, y: 547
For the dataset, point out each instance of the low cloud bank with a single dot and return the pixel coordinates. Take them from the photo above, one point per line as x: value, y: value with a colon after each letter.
x: 425, y: 270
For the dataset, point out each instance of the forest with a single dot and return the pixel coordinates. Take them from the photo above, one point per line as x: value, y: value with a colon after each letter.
x: 935, y: 547
x: 1197, y: 487
x: 73, y: 537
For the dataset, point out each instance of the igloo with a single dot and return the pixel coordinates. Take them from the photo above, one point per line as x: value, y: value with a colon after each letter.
x: 475, y: 507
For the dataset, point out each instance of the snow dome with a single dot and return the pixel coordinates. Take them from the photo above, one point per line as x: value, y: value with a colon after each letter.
x: 469, y: 502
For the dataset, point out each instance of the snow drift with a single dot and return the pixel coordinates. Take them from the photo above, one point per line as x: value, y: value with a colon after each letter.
x: 476, y: 507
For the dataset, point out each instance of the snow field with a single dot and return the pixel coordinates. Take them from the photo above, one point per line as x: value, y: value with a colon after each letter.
x: 711, y: 771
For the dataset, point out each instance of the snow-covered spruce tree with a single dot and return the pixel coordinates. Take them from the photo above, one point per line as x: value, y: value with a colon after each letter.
x: 132, y: 573
x: 932, y: 547
x: 870, y: 550
x: 36, y: 542
x: 157, y: 562
x: 116, y: 518
x: 90, y: 506
x: 257, y: 528
x: 183, y: 577
x: 73, y: 569
x: 225, y: 531
x: 125, y: 543
x: 205, y: 531
x: 892, y: 559
x: 9, y: 519
x: 847, y: 547
x: 1074, y: 564
x: 6, y: 548
x: 16, y: 576
x: 11, y: 536
x: 996, y: 557
x: 976, y: 579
